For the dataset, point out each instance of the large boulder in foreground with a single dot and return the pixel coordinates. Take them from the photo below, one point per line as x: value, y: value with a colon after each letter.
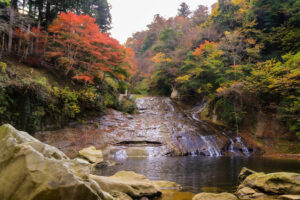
x: 213, y: 196
x: 32, y: 170
x: 134, y: 185
x: 274, y: 183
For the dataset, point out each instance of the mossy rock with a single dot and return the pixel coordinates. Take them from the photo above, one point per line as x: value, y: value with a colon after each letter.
x: 274, y: 183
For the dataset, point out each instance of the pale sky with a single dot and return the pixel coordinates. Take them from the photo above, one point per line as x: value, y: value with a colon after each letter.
x: 130, y: 16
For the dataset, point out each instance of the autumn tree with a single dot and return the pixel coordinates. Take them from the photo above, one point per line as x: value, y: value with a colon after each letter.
x: 82, y: 52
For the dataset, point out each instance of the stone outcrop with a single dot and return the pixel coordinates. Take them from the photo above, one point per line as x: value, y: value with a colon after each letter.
x: 33, y: 170
x: 130, y: 183
x: 263, y: 186
x: 249, y: 193
x: 245, y: 172
x: 91, y: 154
x: 273, y: 183
x: 212, y: 196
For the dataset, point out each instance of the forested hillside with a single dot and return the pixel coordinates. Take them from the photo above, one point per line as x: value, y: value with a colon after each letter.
x: 58, y: 63
x: 241, y: 56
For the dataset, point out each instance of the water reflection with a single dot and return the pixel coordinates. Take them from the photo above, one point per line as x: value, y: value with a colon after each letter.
x: 197, y: 174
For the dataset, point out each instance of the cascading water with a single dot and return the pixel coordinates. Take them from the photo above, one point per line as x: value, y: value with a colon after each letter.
x: 210, y: 141
x: 244, y: 148
x: 231, y: 146
x: 212, y: 147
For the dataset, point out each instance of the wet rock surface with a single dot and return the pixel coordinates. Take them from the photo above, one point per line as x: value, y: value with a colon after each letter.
x: 160, y: 128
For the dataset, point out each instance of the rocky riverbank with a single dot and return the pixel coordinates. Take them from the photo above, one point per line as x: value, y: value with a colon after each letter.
x: 261, y: 186
x: 32, y: 170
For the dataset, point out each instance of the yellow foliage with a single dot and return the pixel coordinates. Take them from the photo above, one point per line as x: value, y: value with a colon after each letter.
x: 215, y: 12
x: 3, y: 66
x: 183, y: 79
x: 199, y: 91
x: 161, y: 57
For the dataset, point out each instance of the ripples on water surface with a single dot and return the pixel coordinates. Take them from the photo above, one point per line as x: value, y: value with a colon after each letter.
x: 197, y: 174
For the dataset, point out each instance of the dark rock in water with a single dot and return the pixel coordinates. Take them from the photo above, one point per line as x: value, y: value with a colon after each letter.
x: 245, y: 172
x: 105, y: 163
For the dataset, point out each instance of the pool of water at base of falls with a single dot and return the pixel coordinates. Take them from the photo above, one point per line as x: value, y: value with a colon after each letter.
x: 201, y: 174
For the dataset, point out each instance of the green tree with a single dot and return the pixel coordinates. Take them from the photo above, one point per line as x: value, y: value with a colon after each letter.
x: 103, y: 16
x: 184, y: 10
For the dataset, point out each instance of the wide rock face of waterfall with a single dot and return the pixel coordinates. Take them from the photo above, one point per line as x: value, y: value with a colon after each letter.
x: 159, y: 128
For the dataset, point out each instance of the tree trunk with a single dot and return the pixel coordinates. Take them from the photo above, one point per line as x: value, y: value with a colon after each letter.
x: 47, y: 15
x: 10, y: 31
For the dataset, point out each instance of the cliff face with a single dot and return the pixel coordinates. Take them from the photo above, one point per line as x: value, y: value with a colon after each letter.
x: 258, y: 122
x: 160, y: 128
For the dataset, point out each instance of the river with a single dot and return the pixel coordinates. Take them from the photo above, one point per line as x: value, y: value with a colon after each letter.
x: 202, y: 174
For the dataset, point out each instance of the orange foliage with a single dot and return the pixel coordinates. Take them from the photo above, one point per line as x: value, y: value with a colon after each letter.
x: 78, y: 46
x: 199, y: 51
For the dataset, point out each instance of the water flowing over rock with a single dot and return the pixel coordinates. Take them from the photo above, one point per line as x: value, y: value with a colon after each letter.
x: 160, y: 128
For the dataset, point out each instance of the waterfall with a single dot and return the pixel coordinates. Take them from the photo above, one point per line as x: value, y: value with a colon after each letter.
x: 168, y: 102
x: 212, y: 147
x: 231, y: 147
x: 197, y: 110
x: 244, y: 147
